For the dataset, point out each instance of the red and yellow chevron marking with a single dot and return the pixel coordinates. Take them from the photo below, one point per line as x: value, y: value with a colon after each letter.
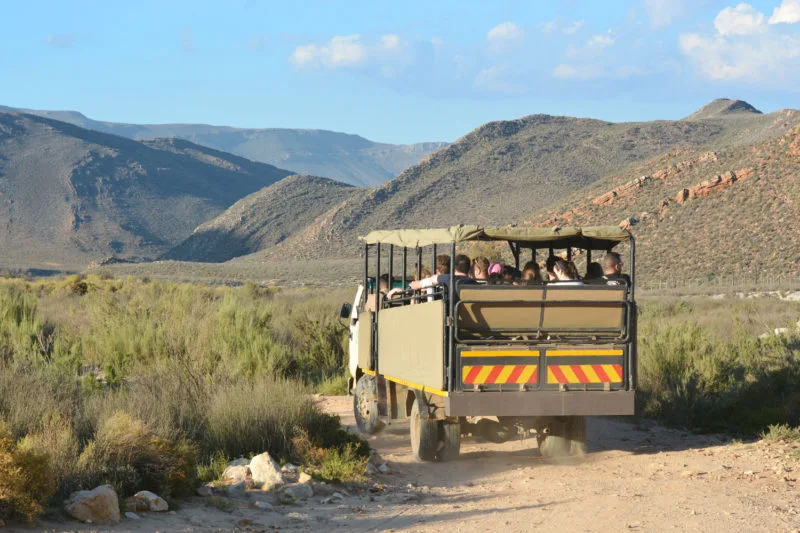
x: 584, y: 374
x: 499, y: 374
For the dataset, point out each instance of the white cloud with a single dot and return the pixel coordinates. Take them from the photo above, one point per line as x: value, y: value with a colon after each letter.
x: 663, y: 13
x: 601, y: 41
x: 573, y: 27
x: 740, y: 20
x: 770, y: 59
x: 437, y: 41
x: 390, y: 41
x: 788, y: 12
x: 342, y: 51
x: 504, y: 35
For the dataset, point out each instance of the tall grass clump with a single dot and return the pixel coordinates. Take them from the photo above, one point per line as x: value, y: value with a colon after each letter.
x: 692, y: 378
x: 137, y: 383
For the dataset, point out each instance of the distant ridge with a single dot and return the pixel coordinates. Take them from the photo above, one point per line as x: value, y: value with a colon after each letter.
x: 341, y: 156
x: 723, y: 108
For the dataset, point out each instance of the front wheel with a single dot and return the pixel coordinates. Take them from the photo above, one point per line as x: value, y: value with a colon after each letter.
x: 365, y: 404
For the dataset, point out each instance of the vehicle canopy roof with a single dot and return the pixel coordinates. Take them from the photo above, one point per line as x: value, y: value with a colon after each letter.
x: 590, y: 238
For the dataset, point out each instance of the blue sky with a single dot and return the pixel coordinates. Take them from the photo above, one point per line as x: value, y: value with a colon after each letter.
x: 395, y: 71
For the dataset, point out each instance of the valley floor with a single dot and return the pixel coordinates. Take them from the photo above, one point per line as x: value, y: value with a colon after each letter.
x: 633, y: 478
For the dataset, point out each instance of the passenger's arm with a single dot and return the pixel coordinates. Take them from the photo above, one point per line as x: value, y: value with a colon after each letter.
x: 424, y: 283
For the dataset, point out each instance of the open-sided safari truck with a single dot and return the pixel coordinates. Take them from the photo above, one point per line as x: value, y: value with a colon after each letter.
x: 526, y: 357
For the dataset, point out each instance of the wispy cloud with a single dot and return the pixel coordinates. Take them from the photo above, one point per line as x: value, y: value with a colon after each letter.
x: 601, y: 41
x: 60, y: 40
x: 341, y: 51
x: 662, y: 13
x: 740, y: 20
x: 573, y: 27
x: 504, y: 36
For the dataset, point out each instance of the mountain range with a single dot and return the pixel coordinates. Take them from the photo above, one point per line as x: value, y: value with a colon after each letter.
x: 340, y: 156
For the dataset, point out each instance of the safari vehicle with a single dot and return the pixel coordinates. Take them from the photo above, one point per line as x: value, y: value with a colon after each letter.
x: 527, y: 357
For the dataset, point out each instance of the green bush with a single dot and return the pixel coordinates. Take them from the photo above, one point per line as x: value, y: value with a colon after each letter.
x: 26, y: 479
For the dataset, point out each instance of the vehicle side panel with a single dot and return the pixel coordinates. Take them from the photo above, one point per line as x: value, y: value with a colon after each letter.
x: 365, y: 340
x: 411, y: 343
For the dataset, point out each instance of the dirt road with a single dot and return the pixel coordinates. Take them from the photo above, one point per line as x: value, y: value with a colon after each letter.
x: 633, y: 478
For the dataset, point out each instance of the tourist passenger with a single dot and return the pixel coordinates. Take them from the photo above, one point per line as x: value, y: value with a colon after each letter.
x: 442, y: 264
x: 530, y: 272
x: 565, y: 274
x: 549, y: 265
x: 460, y: 270
x: 594, y: 271
x: 612, y: 268
x: 480, y: 269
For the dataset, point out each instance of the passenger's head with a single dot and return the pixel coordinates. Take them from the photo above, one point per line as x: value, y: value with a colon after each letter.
x: 462, y: 265
x: 426, y: 272
x: 530, y: 272
x: 496, y: 269
x: 383, y: 284
x: 612, y: 264
x: 550, y: 266
x: 563, y: 271
x: 510, y: 273
x: 594, y: 270
x: 480, y: 268
x: 443, y: 264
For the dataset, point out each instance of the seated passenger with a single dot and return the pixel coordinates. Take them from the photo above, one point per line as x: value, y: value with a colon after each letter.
x: 480, y: 269
x: 612, y: 269
x: 565, y: 273
x: 461, y: 272
x: 442, y: 264
x: 510, y: 274
x: 594, y: 271
x: 549, y: 265
x: 530, y: 272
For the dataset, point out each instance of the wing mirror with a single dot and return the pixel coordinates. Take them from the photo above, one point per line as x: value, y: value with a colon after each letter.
x: 345, y: 311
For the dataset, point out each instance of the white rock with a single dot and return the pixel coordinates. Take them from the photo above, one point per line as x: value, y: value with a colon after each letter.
x: 205, y: 491
x: 383, y: 468
x: 371, y: 470
x: 265, y: 506
x: 241, y: 461
x: 300, y: 491
x: 236, y: 473
x: 304, y: 478
x: 98, y: 506
x: 154, y: 502
x: 781, y: 331
x: 289, y: 468
x: 337, y: 496
x: 265, y: 471
x: 132, y: 516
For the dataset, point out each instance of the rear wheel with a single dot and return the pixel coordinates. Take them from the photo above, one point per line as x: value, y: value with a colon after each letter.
x: 365, y: 404
x: 451, y: 439
x: 565, y: 438
x: 424, y: 432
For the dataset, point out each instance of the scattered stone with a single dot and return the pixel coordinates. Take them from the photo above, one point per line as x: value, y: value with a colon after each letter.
x: 205, y: 491
x: 237, y: 490
x: 241, y: 461
x: 289, y: 468
x: 322, y: 489
x: 337, y: 496
x: 299, y: 491
x: 298, y: 516
x: 144, y: 500
x: 237, y: 473
x: 304, y: 478
x: 383, y: 468
x: 132, y: 516
x: 333, y: 498
x: 371, y: 470
x: 98, y: 506
x: 264, y: 506
x: 265, y: 471
x: 682, y: 196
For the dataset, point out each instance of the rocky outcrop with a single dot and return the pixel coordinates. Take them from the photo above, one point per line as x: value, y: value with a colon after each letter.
x: 717, y: 183
x: 682, y: 196
x: 144, y: 500
x: 98, y: 506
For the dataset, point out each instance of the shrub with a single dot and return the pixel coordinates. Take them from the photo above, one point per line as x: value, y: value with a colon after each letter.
x: 781, y: 433
x: 346, y: 463
x: 124, y: 454
x: 26, y: 479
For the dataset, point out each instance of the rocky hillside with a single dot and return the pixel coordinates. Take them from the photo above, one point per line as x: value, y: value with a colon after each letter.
x: 262, y: 219
x: 340, y: 156
x: 724, y: 108
x: 699, y: 214
x: 70, y: 195
x: 505, y: 172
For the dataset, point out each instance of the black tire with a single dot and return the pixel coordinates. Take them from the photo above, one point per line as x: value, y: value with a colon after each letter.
x: 365, y: 404
x: 451, y: 437
x: 424, y: 433
x: 567, y: 438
